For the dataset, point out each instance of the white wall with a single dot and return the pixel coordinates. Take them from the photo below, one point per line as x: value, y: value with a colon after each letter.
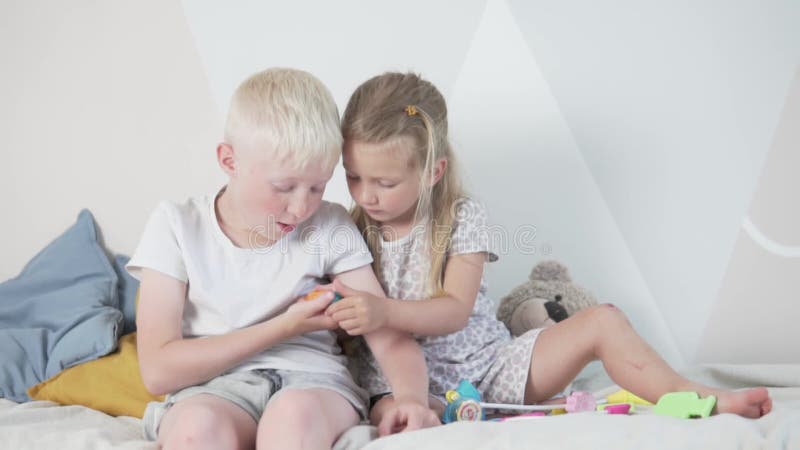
x: 104, y: 106
x: 674, y: 106
x: 521, y: 158
x: 636, y: 139
x: 342, y: 44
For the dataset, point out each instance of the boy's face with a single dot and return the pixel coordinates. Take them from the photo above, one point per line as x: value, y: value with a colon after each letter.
x: 273, y: 196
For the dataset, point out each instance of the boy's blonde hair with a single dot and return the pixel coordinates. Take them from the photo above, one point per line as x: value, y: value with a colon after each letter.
x: 403, y: 105
x: 289, y: 111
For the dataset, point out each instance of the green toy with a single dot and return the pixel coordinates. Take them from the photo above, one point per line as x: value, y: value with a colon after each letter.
x: 685, y: 405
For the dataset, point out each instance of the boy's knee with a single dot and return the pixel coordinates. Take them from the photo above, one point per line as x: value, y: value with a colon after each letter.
x: 297, y: 416
x: 201, y: 427
x: 296, y: 407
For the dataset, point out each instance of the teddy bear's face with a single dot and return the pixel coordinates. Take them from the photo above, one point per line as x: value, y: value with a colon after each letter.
x: 529, y: 315
x: 548, y: 296
x: 555, y: 310
x: 564, y: 294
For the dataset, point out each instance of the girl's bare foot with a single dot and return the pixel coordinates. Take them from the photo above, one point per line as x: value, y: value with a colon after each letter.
x: 752, y: 403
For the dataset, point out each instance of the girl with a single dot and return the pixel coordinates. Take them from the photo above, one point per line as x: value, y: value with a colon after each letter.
x: 429, y: 244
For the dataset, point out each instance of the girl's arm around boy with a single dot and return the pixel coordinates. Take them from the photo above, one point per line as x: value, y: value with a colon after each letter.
x: 401, y: 361
x: 446, y: 313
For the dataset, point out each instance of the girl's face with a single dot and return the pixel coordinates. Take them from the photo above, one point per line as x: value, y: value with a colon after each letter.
x: 383, y: 180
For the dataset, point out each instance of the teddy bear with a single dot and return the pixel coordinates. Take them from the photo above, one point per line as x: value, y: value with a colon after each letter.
x: 549, y: 296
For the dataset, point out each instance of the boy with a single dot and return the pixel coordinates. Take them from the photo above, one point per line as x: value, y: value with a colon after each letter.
x: 218, y: 325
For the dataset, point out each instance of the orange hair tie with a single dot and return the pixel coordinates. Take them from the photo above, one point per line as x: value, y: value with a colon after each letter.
x: 411, y: 110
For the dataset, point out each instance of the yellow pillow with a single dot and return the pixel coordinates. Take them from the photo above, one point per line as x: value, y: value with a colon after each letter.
x: 111, y: 384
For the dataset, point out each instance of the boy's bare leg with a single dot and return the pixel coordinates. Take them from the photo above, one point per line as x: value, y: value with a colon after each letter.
x: 305, y: 419
x: 603, y: 332
x: 206, y: 421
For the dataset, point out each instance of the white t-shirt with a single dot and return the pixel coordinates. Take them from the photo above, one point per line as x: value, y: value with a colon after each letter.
x: 231, y: 287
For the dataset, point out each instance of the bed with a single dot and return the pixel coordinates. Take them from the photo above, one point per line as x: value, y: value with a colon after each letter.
x: 46, y: 425
x: 67, y: 334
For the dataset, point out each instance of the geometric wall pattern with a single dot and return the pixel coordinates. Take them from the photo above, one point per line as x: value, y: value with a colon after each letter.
x: 762, y: 281
x: 652, y: 147
x: 675, y: 106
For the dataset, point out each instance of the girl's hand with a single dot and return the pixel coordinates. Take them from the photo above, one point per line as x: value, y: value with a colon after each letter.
x: 406, y: 416
x: 358, y: 312
x: 305, y: 316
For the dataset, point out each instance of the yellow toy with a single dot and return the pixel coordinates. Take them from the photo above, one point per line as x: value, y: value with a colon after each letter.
x: 623, y: 396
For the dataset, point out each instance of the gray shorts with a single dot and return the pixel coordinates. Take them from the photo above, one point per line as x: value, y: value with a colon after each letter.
x: 252, y: 390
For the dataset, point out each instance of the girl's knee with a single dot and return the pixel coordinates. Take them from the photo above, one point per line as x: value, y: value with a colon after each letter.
x: 200, y: 426
x: 605, y: 314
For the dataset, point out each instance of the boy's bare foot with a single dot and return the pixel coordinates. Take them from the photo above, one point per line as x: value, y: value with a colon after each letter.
x: 752, y: 403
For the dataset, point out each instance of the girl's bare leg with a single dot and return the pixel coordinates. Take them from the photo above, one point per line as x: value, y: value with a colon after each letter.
x: 603, y: 332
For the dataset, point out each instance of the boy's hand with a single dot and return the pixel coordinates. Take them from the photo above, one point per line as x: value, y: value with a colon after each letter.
x: 358, y: 312
x: 406, y: 415
x: 305, y: 316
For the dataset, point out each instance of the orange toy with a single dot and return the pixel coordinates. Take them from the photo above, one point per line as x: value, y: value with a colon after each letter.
x: 317, y: 292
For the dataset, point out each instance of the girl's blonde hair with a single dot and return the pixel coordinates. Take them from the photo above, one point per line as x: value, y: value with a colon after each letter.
x: 289, y: 111
x: 403, y: 105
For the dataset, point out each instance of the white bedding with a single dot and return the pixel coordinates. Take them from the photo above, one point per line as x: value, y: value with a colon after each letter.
x: 45, y: 425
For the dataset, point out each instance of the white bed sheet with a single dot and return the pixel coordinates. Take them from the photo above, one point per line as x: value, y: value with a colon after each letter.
x: 45, y: 425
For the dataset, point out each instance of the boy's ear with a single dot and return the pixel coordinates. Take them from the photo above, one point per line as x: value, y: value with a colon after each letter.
x: 226, y: 159
x: 439, y: 168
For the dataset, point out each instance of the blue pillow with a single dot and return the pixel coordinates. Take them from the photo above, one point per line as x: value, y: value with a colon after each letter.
x: 128, y: 286
x: 60, y: 311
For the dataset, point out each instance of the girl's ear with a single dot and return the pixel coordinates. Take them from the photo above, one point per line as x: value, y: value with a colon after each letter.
x: 226, y: 159
x: 439, y: 168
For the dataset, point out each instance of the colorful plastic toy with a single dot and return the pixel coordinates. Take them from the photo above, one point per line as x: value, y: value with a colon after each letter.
x: 617, y: 408
x: 623, y: 396
x: 530, y: 415
x: 580, y: 402
x: 577, y: 401
x: 317, y: 292
x: 685, y: 405
x: 463, y: 404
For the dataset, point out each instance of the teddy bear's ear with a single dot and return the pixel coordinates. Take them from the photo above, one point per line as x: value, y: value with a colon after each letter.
x: 550, y: 270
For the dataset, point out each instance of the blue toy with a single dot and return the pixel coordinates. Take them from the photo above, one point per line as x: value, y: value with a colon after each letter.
x: 463, y: 404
